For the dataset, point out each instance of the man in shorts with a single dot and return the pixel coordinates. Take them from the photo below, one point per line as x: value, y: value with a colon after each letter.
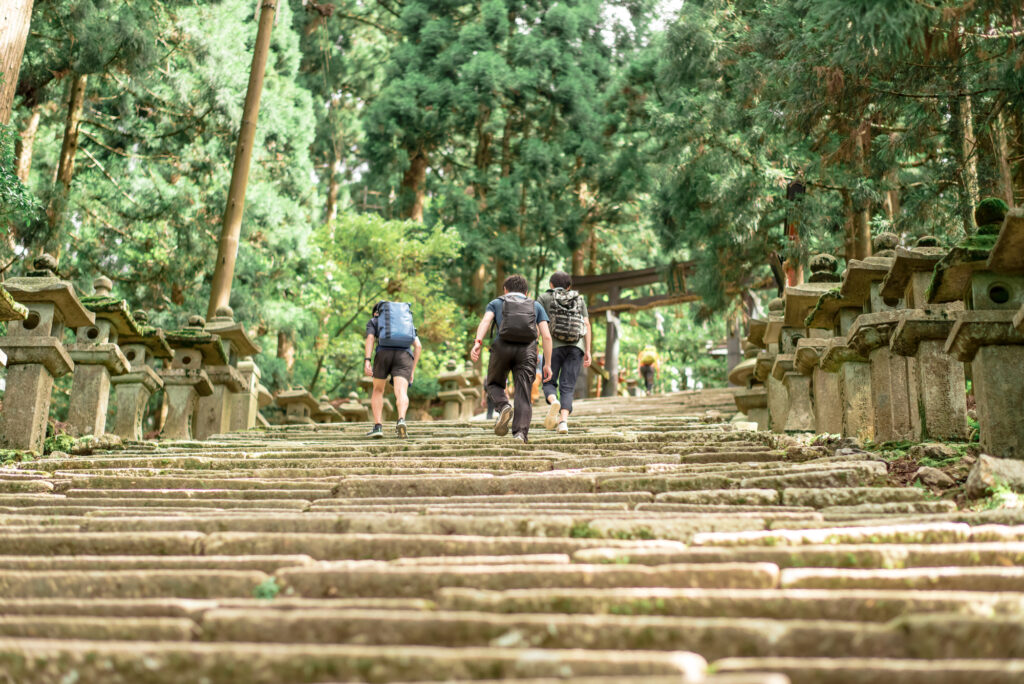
x: 399, y: 364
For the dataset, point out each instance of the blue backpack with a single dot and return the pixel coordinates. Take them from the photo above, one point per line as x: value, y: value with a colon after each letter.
x: 394, y: 326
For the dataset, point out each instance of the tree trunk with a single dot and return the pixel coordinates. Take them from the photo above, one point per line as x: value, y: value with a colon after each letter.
x: 15, y: 17
x: 1001, y: 152
x: 231, y: 224
x: 66, y: 164
x: 577, y: 259
x: 962, y: 129
x: 414, y: 187
x: 849, y: 251
x: 861, y: 211
x: 286, y: 349
x: 25, y: 144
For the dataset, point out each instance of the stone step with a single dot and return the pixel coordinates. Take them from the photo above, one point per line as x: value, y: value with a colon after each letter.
x: 350, y: 579
x: 529, y: 559
x: 392, y: 546
x: 208, y: 493
x: 104, y: 544
x: 781, y: 604
x: 891, y: 508
x: 28, y: 661
x: 195, y: 583
x: 479, y: 485
x: 267, y: 564
x: 807, y: 513
x: 948, y: 579
x: 831, y: 497
x: 98, y: 629
x: 936, y: 533
x: 741, y: 497
x: 566, y: 498
x: 212, y: 464
x: 194, y: 609
x: 873, y: 670
x: 25, y: 486
x: 103, y: 482
x: 76, y: 504
x: 731, y: 678
x: 866, y: 556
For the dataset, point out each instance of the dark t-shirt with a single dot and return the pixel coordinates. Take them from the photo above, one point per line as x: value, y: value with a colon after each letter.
x: 373, y: 328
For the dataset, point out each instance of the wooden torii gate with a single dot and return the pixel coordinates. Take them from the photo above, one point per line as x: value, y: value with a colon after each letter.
x: 612, y: 285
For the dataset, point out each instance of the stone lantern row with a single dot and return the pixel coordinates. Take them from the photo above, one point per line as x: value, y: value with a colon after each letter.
x: 209, y: 379
x: 883, y: 352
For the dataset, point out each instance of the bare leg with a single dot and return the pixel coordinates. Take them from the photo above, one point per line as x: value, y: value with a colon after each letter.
x: 377, y: 400
x: 401, y: 396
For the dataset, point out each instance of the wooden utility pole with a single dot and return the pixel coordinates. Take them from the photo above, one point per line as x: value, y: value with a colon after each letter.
x: 15, y: 16
x: 227, y: 248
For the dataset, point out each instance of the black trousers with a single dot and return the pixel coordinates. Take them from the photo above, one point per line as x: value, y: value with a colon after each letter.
x: 648, y: 374
x: 521, y: 360
x: 566, y: 363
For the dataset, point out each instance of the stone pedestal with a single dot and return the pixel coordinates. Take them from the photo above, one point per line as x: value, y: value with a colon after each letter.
x: 753, y: 403
x: 995, y: 349
x: 186, y: 382
x: 238, y: 410
x: 326, y: 413
x: 453, y: 382
x: 354, y: 411
x: 131, y: 400
x: 854, y: 386
x: 890, y: 374
x: 299, y: 406
x: 213, y: 412
x: 35, y: 355
x: 134, y: 389
x: 937, y: 399
x: 245, y: 404
x: 826, y: 398
x: 799, y: 415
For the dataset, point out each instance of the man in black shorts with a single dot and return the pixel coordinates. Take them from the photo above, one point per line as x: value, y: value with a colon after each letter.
x: 400, y: 365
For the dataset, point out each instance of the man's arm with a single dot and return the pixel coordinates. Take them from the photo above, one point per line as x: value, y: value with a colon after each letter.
x: 417, y: 348
x: 367, y: 366
x: 588, y: 339
x: 545, y: 337
x: 481, y: 330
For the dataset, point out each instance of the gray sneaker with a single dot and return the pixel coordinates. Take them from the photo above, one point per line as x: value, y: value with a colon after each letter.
x: 401, y: 429
x: 377, y: 432
x: 501, y: 424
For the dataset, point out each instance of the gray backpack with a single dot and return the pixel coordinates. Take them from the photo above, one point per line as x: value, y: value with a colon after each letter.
x: 567, y: 321
x: 518, y: 320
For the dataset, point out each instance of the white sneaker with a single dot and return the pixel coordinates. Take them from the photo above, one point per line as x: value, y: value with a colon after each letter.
x: 551, y: 419
x: 563, y: 428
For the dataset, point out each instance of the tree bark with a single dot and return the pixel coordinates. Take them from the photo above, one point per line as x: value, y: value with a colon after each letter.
x: 861, y: 215
x: 25, y: 144
x: 66, y: 165
x: 286, y: 349
x: 1001, y: 152
x: 414, y: 186
x: 15, y: 17
x: 964, y: 148
x: 231, y: 227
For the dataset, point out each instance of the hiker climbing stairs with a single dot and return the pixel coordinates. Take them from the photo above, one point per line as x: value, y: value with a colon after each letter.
x: 639, y: 548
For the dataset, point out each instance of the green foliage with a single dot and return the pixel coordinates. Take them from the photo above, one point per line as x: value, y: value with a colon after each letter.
x: 267, y: 590
x: 583, y: 530
x: 58, y: 442
x: 16, y: 202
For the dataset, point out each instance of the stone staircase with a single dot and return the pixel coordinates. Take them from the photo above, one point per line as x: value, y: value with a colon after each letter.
x: 649, y: 549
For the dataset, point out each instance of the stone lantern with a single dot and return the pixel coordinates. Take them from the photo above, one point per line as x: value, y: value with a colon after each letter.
x: 984, y: 335
x: 752, y: 400
x: 778, y: 398
x: 98, y: 358
x: 353, y: 410
x: 473, y: 392
x: 233, y: 404
x: 10, y: 310
x: 453, y: 381
x: 836, y: 312
x: 186, y: 381
x: 299, y: 406
x: 806, y: 384
x: 35, y: 351
x: 134, y: 389
x: 935, y: 398
x: 325, y: 411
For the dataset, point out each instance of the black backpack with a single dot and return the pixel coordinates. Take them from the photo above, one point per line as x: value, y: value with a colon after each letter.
x: 518, y: 320
x: 567, y: 320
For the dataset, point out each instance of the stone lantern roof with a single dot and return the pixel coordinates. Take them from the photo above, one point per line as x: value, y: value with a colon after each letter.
x: 44, y: 286
x: 194, y: 336
x: 154, y: 339
x: 110, y: 308
x: 908, y: 261
x: 223, y: 323
x: 10, y: 310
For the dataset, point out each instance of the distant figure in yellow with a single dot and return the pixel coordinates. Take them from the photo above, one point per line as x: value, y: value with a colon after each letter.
x: 650, y: 365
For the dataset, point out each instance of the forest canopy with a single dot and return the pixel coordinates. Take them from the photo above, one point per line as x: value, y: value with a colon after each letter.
x: 425, y: 149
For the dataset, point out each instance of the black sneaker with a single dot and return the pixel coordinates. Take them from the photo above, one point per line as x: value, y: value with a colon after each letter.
x: 400, y: 428
x: 501, y: 424
x: 376, y: 433
x: 520, y: 436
